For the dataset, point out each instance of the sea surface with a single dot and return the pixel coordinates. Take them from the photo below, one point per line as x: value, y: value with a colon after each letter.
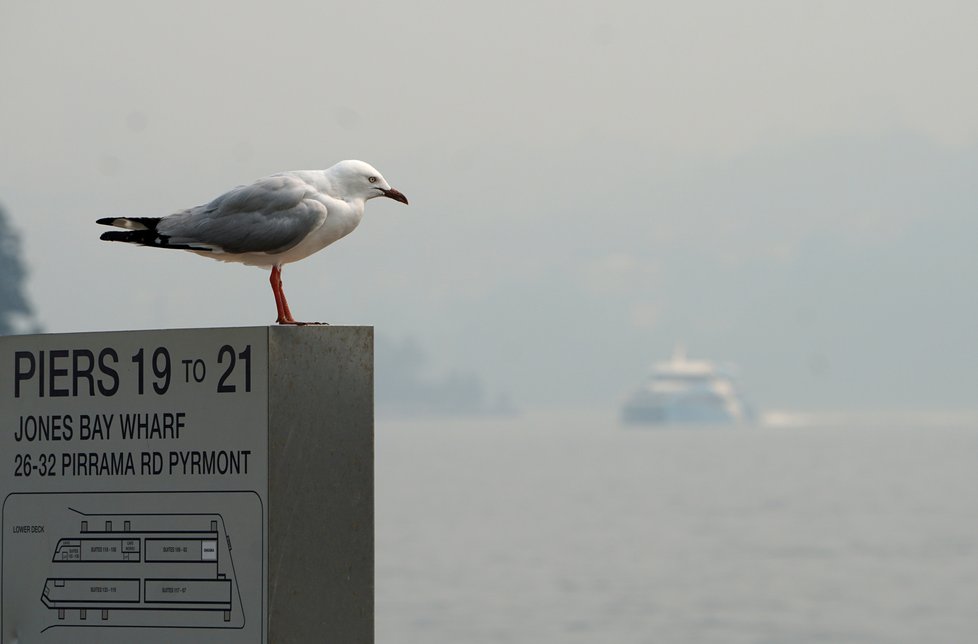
x: 566, y: 528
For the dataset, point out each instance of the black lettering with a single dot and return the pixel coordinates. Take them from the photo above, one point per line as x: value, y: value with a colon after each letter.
x: 40, y: 375
x: 78, y: 372
x: 44, y: 428
x: 161, y: 369
x: 246, y: 357
x: 97, y: 464
x: 209, y: 463
x: 221, y: 386
x: 109, y: 372
x: 129, y: 426
x: 152, y: 463
x: 23, y: 373
x: 55, y: 372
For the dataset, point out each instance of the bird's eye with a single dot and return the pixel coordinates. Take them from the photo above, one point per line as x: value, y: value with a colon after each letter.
x: 372, y: 179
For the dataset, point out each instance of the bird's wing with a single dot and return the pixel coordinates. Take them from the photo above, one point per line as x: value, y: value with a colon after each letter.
x: 271, y: 215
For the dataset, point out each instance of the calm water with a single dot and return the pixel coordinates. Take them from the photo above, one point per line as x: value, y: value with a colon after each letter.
x: 563, y: 530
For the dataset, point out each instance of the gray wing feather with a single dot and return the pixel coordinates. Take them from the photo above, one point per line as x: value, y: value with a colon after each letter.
x: 271, y: 215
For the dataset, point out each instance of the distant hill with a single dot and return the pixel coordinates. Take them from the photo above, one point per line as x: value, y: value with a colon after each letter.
x: 16, y: 314
x: 406, y: 389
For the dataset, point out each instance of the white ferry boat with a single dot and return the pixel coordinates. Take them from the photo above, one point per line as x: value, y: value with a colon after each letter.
x: 684, y: 391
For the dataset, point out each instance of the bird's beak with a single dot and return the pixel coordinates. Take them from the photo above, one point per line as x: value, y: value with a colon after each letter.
x: 396, y: 195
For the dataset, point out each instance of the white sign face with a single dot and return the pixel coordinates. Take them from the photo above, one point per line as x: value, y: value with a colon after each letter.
x: 134, y: 483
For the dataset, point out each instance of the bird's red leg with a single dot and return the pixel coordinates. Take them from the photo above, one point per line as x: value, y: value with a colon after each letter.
x: 281, y: 306
x: 285, y: 303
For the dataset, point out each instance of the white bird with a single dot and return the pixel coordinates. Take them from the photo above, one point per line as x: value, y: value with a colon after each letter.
x: 276, y: 220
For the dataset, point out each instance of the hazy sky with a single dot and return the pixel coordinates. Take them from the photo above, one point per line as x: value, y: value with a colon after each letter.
x: 786, y: 185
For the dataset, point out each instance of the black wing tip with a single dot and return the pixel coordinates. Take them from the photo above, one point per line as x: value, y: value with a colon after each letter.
x: 118, y: 235
x: 148, y: 238
x: 106, y: 221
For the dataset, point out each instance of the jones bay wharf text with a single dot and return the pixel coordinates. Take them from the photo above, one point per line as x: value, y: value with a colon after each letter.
x: 84, y: 427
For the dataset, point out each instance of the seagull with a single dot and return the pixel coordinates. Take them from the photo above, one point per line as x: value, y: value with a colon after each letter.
x: 276, y: 220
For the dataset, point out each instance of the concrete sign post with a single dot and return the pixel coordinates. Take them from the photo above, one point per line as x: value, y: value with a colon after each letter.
x: 198, y: 485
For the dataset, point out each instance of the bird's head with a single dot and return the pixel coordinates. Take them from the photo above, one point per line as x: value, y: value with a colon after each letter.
x: 359, y: 180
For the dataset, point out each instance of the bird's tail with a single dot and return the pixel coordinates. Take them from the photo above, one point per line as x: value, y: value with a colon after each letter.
x: 140, y: 230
